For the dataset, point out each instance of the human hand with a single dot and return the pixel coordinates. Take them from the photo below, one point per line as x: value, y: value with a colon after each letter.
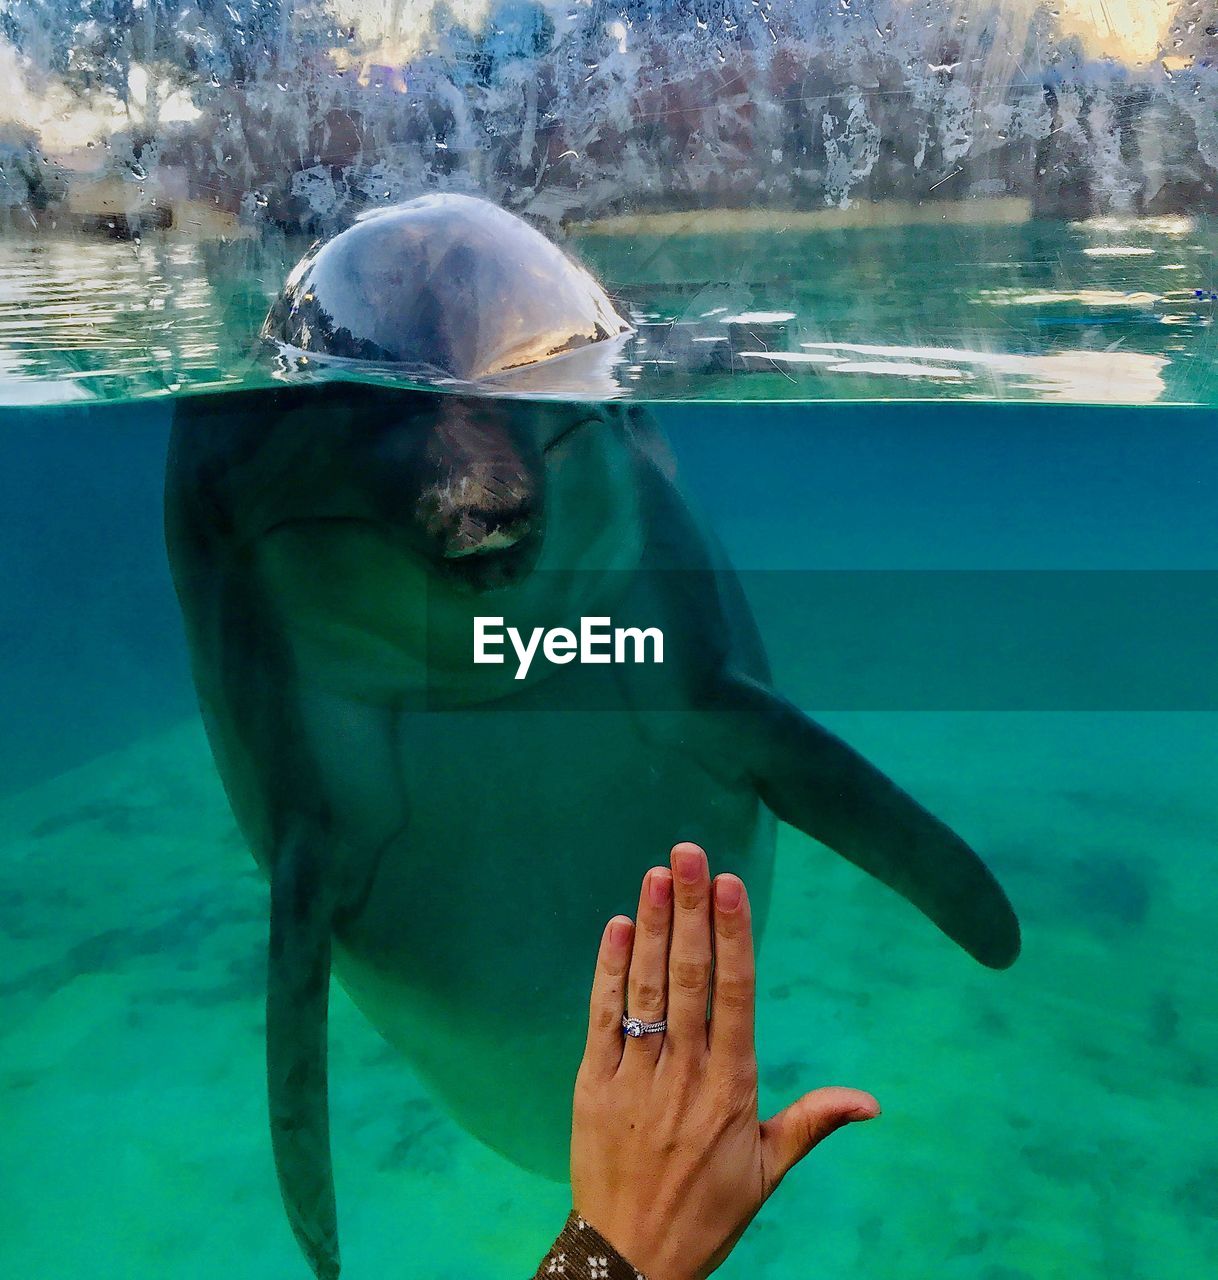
x: 669, y: 1161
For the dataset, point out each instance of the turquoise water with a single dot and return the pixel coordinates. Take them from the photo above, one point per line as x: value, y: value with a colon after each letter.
x: 1047, y: 1122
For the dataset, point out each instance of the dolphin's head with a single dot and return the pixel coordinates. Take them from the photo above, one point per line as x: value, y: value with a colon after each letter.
x: 450, y: 291
x: 443, y: 289
x: 367, y: 515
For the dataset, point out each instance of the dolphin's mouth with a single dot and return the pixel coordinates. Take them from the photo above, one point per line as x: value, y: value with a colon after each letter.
x: 484, y: 555
x: 496, y: 540
x: 496, y: 561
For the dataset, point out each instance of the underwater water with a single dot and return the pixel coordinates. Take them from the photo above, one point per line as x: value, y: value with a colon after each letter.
x: 995, y: 602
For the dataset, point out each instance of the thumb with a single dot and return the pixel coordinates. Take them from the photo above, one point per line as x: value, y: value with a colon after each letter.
x: 787, y: 1137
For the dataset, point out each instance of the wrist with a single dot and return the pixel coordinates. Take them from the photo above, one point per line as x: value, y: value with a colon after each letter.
x: 582, y: 1252
x: 645, y: 1251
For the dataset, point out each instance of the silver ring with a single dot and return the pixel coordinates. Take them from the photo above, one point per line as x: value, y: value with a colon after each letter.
x: 635, y: 1027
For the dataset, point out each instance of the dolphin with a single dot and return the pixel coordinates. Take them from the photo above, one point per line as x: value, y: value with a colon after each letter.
x: 443, y: 837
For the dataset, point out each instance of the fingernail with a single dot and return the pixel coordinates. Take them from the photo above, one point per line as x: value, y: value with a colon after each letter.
x: 619, y: 932
x: 727, y: 893
x: 866, y: 1112
x: 688, y: 865
x: 659, y: 886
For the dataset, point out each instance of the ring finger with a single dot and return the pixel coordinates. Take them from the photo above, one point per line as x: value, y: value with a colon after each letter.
x: 647, y: 989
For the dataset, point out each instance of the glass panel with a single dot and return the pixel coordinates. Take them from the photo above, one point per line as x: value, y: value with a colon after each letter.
x: 858, y: 355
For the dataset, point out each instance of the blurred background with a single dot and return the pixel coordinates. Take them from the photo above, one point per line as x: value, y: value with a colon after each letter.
x: 226, y: 116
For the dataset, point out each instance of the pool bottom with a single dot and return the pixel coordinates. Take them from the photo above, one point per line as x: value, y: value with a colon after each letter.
x: 1041, y: 1123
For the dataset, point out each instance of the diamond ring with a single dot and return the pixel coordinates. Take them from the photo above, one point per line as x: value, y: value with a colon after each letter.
x: 635, y: 1027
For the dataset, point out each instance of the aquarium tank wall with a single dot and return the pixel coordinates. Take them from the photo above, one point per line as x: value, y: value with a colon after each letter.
x: 855, y: 360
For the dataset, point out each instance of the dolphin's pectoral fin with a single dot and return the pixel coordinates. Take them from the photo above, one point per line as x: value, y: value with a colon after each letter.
x: 297, y: 1003
x: 817, y: 783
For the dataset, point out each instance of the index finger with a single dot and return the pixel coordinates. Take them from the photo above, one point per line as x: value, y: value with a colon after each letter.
x: 734, y: 991
x: 603, y: 1051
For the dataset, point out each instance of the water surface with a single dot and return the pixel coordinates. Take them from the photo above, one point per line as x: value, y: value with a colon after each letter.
x: 1109, y: 310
